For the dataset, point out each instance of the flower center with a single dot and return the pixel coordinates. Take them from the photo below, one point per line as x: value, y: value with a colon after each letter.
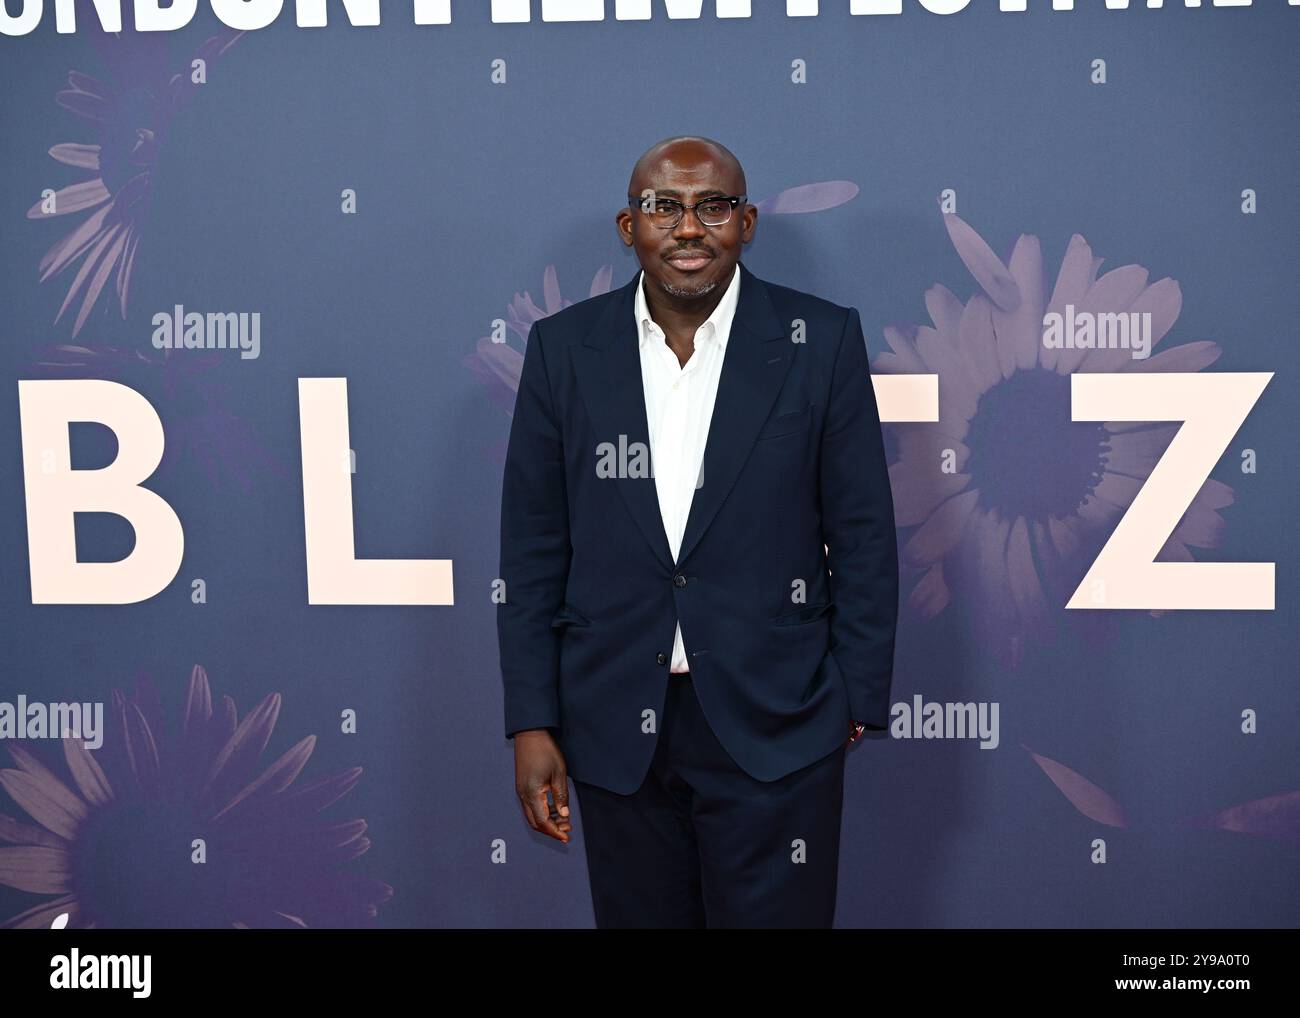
x: 133, y: 868
x: 1027, y: 458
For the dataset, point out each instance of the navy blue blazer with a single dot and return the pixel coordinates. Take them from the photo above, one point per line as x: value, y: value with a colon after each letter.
x: 786, y: 641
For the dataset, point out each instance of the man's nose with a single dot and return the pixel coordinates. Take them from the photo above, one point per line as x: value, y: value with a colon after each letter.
x: 690, y: 226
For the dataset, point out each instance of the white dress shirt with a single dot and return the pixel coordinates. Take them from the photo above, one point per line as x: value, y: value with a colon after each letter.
x: 679, y: 406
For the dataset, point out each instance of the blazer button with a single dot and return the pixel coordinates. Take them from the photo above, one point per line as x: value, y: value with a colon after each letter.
x: 679, y: 580
x: 662, y: 658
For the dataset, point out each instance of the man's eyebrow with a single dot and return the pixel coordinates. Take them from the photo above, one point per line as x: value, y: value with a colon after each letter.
x: 708, y: 193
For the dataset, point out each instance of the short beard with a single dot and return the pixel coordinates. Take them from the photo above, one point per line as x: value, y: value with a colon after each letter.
x: 686, y: 291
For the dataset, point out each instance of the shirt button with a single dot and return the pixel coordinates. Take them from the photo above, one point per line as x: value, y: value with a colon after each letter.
x: 662, y: 658
x: 679, y: 580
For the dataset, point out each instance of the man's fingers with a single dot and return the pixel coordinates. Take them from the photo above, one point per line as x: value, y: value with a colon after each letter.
x: 560, y: 792
x: 542, y: 813
x: 561, y: 789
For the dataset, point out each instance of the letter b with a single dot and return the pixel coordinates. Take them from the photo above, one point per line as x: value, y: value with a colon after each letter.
x: 46, y: 408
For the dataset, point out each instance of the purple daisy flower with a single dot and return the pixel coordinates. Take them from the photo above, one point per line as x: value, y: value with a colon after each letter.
x: 130, y: 114
x: 1011, y: 529
x: 114, y: 835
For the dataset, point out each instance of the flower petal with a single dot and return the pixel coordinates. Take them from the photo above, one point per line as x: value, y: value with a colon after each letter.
x: 988, y: 544
x: 225, y: 719
x: 1086, y: 797
x: 198, y: 704
x: 1118, y: 489
x: 70, y: 247
x: 942, y: 531
x: 1019, y: 333
x: 1185, y: 357
x: 86, y: 106
x: 1215, y: 494
x: 1163, y: 300
x: 109, y: 262
x: 978, y: 344
x: 1276, y: 816
x: 1113, y: 293
x: 503, y: 360
x: 101, y: 250
x: 1096, y: 512
x: 37, y: 869
x: 321, y: 794
x: 124, y: 268
x: 50, y: 804
x: 16, y: 833
x: 42, y: 916
x: 984, y: 265
x: 141, y: 749
x: 930, y: 595
x: 276, y: 778
x: 600, y: 281
x: 1136, y: 453
x: 91, y: 85
x: 294, y: 840
x: 551, y: 290
x: 1065, y: 536
x: 1072, y: 283
x: 918, y: 491
x: 959, y: 391
x: 1201, y: 527
x: 85, y: 157
x: 815, y: 197
x: 945, y: 309
x: 346, y: 853
x: 54, y: 786
x: 1031, y: 604
x: 86, y: 772
x: 901, y: 343
x: 303, y: 802
x: 85, y: 194
x: 236, y: 759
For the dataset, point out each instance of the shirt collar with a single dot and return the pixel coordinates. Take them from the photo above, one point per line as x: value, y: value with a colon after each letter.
x: 720, y: 320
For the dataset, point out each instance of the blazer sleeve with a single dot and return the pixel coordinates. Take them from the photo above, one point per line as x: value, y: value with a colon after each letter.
x: 858, y: 530
x: 535, y: 550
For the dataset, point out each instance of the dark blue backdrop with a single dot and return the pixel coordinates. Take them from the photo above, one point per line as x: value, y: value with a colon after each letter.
x: 478, y: 201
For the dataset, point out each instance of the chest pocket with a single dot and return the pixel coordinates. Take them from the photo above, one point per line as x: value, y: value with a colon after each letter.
x: 787, y: 423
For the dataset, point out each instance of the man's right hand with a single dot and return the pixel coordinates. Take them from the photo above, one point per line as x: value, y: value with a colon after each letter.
x: 540, y: 768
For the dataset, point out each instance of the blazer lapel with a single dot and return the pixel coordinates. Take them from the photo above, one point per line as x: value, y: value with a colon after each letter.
x: 757, y: 359
x: 608, y: 367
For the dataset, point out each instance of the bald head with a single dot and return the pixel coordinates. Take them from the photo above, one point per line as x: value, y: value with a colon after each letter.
x: 686, y: 150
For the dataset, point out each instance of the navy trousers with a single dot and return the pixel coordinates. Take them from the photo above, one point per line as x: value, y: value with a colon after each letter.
x: 703, y: 844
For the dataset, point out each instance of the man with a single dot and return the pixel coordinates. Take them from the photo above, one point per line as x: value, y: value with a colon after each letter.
x: 701, y: 574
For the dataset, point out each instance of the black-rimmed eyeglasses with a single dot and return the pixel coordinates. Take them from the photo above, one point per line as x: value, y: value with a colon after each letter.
x: 666, y: 213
